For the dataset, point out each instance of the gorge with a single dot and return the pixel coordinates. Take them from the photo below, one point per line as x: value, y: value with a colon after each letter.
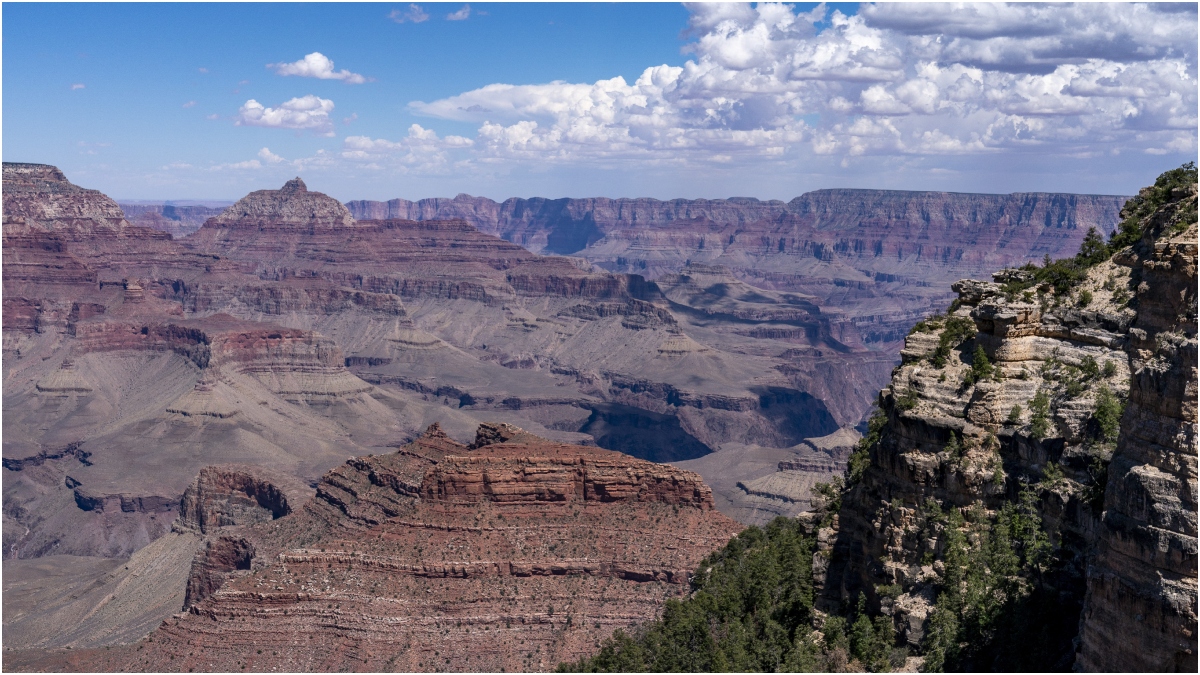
x: 187, y: 405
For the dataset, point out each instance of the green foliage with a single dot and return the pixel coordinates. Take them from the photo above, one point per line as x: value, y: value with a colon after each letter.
x: 1014, y: 415
x: 860, y: 459
x: 1151, y: 200
x: 956, y: 330
x: 832, y: 493
x: 1093, y: 250
x: 872, y: 641
x: 991, y: 607
x: 1039, y: 421
x: 953, y: 447
x: 1060, y: 277
x: 1093, y: 491
x: 907, y: 400
x: 1052, y: 475
x: 928, y: 325
x: 1110, y: 368
x: 750, y: 610
x: 981, y: 368
x: 1089, y: 368
x: 1107, y: 414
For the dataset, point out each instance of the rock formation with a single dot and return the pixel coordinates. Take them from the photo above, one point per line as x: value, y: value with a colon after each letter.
x: 39, y: 197
x: 514, y: 553
x: 1012, y: 398
x: 1140, y: 611
x: 292, y: 206
x: 881, y: 258
x: 285, y: 334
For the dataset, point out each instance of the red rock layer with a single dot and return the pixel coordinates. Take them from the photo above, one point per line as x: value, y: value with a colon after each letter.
x: 513, y: 556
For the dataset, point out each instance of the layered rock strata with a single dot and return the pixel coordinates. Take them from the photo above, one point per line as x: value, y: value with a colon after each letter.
x: 514, y: 553
x: 1039, y: 415
x: 883, y: 257
x: 1140, y: 611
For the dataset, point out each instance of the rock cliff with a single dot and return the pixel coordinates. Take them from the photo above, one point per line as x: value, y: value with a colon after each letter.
x: 882, y: 258
x: 1140, y: 610
x: 514, y: 553
x: 1004, y: 415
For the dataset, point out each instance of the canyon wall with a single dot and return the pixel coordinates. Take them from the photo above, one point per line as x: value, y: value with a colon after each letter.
x: 879, y: 258
x: 1009, y: 407
x: 1140, y: 610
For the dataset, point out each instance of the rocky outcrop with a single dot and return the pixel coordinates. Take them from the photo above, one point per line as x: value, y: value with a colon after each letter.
x: 213, y: 564
x: 238, y: 494
x: 1140, y: 612
x: 291, y: 206
x: 1013, y: 397
x: 38, y: 197
x: 514, y: 553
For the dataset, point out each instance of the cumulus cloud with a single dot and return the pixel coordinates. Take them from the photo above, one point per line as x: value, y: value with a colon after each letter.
x: 421, y: 150
x: 306, y: 112
x: 267, y: 156
x: 765, y: 82
x: 78, y: 86
x: 461, y: 15
x: 319, y: 66
x: 413, y: 14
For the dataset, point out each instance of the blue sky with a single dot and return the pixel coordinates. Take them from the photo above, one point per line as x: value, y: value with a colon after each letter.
x: 375, y: 101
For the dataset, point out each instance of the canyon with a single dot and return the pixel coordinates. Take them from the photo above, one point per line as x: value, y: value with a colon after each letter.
x: 178, y: 403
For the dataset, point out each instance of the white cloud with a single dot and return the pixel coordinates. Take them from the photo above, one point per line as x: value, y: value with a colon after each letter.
x: 422, y: 150
x: 250, y: 164
x: 213, y: 116
x: 78, y: 86
x: 319, y: 66
x: 461, y: 15
x: 189, y: 104
x: 767, y: 83
x: 414, y: 14
x: 267, y: 156
x: 305, y: 112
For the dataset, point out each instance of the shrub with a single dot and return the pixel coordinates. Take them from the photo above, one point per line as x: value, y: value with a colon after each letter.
x: 1039, y: 421
x: 1014, y: 415
x: 1107, y: 414
x: 1110, y: 368
x: 1085, y: 298
x: 981, y: 367
x: 956, y: 330
x: 1089, y: 367
x: 860, y: 459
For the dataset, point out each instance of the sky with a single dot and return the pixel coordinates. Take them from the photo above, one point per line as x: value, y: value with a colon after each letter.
x: 414, y: 100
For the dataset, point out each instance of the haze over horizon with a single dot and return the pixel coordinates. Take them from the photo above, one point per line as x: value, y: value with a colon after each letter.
x: 419, y: 100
